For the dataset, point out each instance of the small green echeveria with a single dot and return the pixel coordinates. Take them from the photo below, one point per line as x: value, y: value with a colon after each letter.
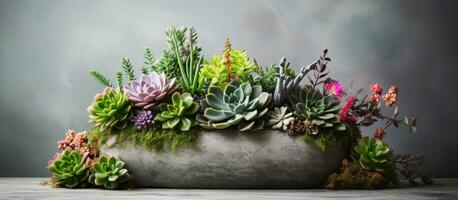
x: 373, y: 154
x: 111, y: 109
x: 70, y: 169
x: 239, y: 104
x: 180, y: 114
x: 109, y: 173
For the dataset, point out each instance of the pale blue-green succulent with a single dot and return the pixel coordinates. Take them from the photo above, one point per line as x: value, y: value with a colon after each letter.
x: 239, y: 104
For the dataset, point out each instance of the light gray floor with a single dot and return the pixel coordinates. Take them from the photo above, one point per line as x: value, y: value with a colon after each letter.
x: 30, y: 188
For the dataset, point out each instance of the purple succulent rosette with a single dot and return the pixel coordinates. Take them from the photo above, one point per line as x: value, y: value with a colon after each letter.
x: 148, y: 90
x: 143, y: 119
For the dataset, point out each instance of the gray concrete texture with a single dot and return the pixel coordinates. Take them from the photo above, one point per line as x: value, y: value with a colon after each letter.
x: 224, y: 159
x: 48, y: 47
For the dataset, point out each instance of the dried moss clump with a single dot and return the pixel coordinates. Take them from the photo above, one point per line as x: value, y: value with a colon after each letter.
x: 353, y: 176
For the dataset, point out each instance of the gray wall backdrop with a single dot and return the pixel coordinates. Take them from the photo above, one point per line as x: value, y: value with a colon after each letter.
x: 47, y: 48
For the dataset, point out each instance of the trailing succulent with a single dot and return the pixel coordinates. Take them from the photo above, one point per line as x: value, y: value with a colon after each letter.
x: 239, y: 104
x: 110, y: 109
x: 108, y: 172
x: 280, y: 118
x: 311, y: 104
x: 70, y: 169
x: 180, y: 114
x: 148, y: 90
x: 373, y: 154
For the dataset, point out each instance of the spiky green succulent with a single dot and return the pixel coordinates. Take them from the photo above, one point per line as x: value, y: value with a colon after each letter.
x: 70, y: 169
x: 311, y: 104
x: 108, y: 172
x: 373, y: 154
x: 280, y: 118
x: 180, y: 114
x: 110, y: 109
x: 239, y: 104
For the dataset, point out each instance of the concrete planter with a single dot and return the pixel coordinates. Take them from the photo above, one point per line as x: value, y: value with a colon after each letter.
x: 223, y: 159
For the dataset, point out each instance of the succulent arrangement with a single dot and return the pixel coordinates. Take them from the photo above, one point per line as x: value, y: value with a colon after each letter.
x: 183, y: 93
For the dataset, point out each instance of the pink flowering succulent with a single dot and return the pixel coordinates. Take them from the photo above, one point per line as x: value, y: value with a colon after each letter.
x: 73, y: 140
x: 148, y: 90
x: 392, y: 96
x: 334, y: 88
x: 345, y: 114
x: 376, y: 92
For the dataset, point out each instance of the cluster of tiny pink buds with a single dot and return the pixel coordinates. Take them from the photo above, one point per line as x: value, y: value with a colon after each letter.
x: 392, y: 96
x: 73, y: 140
x: 376, y: 92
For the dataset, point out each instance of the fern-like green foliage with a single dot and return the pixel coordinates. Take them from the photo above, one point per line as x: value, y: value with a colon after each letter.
x: 149, y: 58
x: 119, y: 79
x: 103, y: 80
x: 167, y: 64
x: 128, y: 68
x: 153, y: 138
x: 145, y: 70
x: 267, y: 77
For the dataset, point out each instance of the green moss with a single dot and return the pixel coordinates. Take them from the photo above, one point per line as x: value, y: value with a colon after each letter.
x: 153, y: 138
x: 345, y: 139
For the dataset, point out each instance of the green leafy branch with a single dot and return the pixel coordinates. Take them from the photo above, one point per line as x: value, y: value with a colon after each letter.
x: 128, y: 68
x: 100, y: 78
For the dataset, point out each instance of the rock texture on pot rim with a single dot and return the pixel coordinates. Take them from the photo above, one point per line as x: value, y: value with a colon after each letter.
x: 230, y: 159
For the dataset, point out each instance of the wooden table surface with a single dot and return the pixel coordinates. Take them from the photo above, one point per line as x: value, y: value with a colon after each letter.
x: 30, y: 188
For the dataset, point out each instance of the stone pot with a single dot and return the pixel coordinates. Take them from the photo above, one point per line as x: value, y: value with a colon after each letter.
x: 230, y: 159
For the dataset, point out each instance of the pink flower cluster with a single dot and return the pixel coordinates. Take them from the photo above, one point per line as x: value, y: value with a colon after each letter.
x: 376, y: 92
x: 73, y: 140
x: 334, y: 88
x: 345, y: 114
x: 392, y: 96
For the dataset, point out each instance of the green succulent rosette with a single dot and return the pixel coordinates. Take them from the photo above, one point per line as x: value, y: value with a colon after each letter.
x: 373, y: 154
x: 108, y: 172
x: 239, y: 104
x: 70, y: 169
x: 111, y: 109
x: 312, y: 105
x: 180, y: 114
